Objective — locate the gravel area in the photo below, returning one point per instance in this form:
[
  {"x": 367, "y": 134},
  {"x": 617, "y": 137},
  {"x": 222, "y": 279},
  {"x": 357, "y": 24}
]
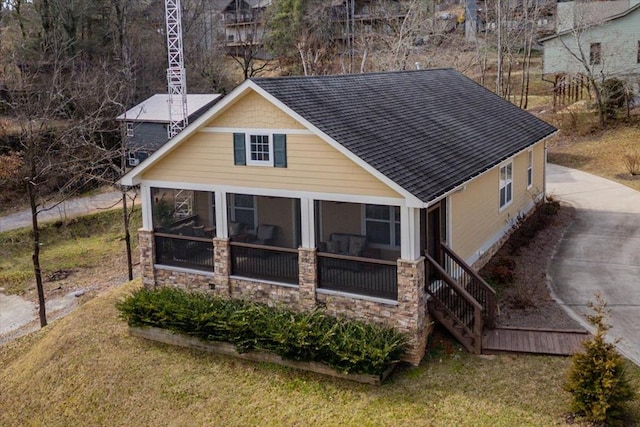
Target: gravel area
[{"x": 527, "y": 301}]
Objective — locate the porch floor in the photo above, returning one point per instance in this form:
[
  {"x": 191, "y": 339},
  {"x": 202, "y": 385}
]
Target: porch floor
[{"x": 536, "y": 341}]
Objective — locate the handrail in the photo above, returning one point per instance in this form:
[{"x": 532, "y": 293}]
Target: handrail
[
  {"x": 265, "y": 247},
  {"x": 182, "y": 237},
  {"x": 490, "y": 294},
  {"x": 357, "y": 258}
]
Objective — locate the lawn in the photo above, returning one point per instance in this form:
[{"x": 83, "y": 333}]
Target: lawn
[
  {"x": 86, "y": 370},
  {"x": 71, "y": 246},
  {"x": 601, "y": 153}
]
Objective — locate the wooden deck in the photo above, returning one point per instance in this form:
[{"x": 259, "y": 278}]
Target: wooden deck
[{"x": 537, "y": 341}]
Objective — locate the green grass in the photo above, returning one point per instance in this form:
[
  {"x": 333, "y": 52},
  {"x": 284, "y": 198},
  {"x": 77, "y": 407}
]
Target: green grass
[
  {"x": 86, "y": 370},
  {"x": 79, "y": 243}
]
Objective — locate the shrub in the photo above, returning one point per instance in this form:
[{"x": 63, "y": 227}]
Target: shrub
[
  {"x": 632, "y": 162},
  {"x": 346, "y": 345},
  {"x": 597, "y": 380}
]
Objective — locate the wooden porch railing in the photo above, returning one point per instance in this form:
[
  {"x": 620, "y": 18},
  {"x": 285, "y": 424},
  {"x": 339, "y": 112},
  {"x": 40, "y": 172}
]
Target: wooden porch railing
[
  {"x": 357, "y": 275},
  {"x": 454, "y": 307},
  {"x": 472, "y": 283},
  {"x": 264, "y": 262},
  {"x": 184, "y": 251}
]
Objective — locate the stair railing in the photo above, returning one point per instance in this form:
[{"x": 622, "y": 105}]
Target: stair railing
[
  {"x": 463, "y": 309},
  {"x": 466, "y": 276}
]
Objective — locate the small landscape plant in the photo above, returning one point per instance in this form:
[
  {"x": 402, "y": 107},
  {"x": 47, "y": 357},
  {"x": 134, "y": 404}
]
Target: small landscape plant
[
  {"x": 632, "y": 162},
  {"x": 597, "y": 380},
  {"x": 346, "y": 345}
]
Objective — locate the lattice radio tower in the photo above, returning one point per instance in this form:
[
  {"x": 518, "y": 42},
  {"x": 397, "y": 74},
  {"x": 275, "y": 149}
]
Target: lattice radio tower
[{"x": 176, "y": 76}]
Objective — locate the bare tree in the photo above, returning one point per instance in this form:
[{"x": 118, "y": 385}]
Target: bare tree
[{"x": 63, "y": 137}]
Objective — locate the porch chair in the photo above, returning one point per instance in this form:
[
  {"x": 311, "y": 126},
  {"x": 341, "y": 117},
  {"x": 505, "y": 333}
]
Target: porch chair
[{"x": 265, "y": 234}]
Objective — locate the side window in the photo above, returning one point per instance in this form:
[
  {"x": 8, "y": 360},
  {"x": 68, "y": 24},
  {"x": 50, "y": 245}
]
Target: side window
[
  {"x": 529, "y": 168},
  {"x": 243, "y": 210},
  {"x": 130, "y": 129},
  {"x": 595, "y": 53},
  {"x": 382, "y": 225},
  {"x": 506, "y": 185}
]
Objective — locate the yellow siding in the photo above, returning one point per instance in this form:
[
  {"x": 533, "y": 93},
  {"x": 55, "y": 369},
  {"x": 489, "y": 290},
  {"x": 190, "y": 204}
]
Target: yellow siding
[
  {"x": 476, "y": 216},
  {"x": 313, "y": 165},
  {"x": 253, "y": 111}
]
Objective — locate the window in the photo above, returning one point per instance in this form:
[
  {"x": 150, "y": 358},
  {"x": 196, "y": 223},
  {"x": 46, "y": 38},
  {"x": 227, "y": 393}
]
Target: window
[
  {"x": 130, "y": 129},
  {"x": 529, "y": 169},
  {"x": 506, "y": 185},
  {"x": 595, "y": 54},
  {"x": 243, "y": 210},
  {"x": 259, "y": 149},
  {"x": 263, "y": 149},
  {"x": 382, "y": 225}
]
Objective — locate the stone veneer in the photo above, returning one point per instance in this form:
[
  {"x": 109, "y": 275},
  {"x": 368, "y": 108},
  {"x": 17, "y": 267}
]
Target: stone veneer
[{"x": 408, "y": 314}]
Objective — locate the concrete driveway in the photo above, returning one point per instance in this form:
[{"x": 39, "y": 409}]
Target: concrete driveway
[{"x": 600, "y": 252}]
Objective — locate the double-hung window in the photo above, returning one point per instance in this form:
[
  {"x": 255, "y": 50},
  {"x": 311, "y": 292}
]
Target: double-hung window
[
  {"x": 260, "y": 148},
  {"x": 529, "y": 168},
  {"x": 382, "y": 225},
  {"x": 130, "y": 131},
  {"x": 243, "y": 210},
  {"x": 595, "y": 53},
  {"x": 506, "y": 185}
]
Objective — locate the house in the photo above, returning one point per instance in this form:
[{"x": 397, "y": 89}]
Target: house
[
  {"x": 369, "y": 195},
  {"x": 146, "y": 123},
  {"x": 605, "y": 36}
]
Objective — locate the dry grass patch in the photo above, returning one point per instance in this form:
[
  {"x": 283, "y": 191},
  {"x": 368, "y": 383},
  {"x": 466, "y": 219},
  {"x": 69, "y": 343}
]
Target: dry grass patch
[
  {"x": 85, "y": 369},
  {"x": 602, "y": 153}
]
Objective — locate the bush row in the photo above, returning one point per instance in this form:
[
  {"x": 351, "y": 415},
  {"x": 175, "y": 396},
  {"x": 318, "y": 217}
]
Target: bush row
[{"x": 346, "y": 345}]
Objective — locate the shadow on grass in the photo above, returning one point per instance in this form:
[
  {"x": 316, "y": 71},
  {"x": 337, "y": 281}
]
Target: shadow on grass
[{"x": 569, "y": 160}]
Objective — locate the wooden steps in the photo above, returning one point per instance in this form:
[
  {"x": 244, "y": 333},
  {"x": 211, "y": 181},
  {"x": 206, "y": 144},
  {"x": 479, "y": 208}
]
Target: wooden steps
[{"x": 534, "y": 341}]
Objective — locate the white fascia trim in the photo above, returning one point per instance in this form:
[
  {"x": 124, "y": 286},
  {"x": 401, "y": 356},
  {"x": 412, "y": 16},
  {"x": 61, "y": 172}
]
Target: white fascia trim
[
  {"x": 292, "y": 194},
  {"x": 133, "y": 177},
  {"x": 256, "y": 130},
  {"x": 411, "y": 200},
  {"x": 473, "y": 178}
]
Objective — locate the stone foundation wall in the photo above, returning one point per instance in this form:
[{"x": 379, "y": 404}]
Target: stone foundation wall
[
  {"x": 267, "y": 293},
  {"x": 146, "y": 247},
  {"x": 409, "y": 315}
]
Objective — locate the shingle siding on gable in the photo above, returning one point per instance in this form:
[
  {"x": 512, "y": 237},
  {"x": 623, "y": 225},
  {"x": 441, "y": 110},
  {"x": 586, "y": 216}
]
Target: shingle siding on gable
[
  {"x": 428, "y": 131},
  {"x": 253, "y": 111}
]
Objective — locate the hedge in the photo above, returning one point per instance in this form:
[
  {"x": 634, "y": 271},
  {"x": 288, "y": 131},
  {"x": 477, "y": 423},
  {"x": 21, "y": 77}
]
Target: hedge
[{"x": 348, "y": 346}]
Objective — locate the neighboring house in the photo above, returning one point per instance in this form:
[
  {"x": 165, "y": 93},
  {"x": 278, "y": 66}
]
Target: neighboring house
[
  {"x": 146, "y": 123},
  {"x": 362, "y": 194},
  {"x": 243, "y": 25},
  {"x": 605, "y": 34}
]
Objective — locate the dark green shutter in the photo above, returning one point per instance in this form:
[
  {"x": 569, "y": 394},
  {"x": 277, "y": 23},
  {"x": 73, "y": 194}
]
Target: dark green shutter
[
  {"x": 239, "y": 149},
  {"x": 280, "y": 150}
]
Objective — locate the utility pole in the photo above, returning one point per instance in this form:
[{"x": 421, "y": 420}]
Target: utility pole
[{"x": 176, "y": 76}]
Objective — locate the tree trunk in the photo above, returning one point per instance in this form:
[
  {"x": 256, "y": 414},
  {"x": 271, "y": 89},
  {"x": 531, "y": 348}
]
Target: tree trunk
[
  {"x": 127, "y": 234},
  {"x": 35, "y": 257}
]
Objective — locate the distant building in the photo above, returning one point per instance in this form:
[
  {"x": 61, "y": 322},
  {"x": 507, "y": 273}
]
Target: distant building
[{"x": 146, "y": 123}]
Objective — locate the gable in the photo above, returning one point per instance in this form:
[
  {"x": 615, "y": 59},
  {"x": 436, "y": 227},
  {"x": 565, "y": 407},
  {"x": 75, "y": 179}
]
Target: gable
[
  {"x": 253, "y": 111},
  {"x": 207, "y": 156}
]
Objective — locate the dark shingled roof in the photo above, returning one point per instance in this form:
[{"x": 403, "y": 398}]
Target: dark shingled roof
[{"x": 427, "y": 130}]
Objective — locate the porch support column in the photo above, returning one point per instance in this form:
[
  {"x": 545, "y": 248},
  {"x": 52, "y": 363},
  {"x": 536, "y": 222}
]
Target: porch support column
[
  {"x": 147, "y": 247},
  {"x": 222, "y": 229},
  {"x": 147, "y": 203},
  {"x": 409, "y": 233},
  {"x": 308, "y": 223},
  {"x": 221, "y": 265},
  {"x": 307, "y": 256},
  {"x": 307, "y": 277},
  {"x": 413, "y": 318}
]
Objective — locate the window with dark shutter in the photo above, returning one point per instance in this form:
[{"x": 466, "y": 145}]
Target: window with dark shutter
[
  {"x": 239, "y": 153},
  {"x": 279, "y": 150}
]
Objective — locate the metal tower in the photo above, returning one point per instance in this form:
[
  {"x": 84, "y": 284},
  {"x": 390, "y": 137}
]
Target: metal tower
[{"x": 176, "y": 76}]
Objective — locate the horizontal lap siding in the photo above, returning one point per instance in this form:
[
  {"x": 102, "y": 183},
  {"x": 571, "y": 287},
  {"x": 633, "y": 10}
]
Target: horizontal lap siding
[
  {"x": 312, "y": 165},
  {"x": 475, "y": 212}
]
